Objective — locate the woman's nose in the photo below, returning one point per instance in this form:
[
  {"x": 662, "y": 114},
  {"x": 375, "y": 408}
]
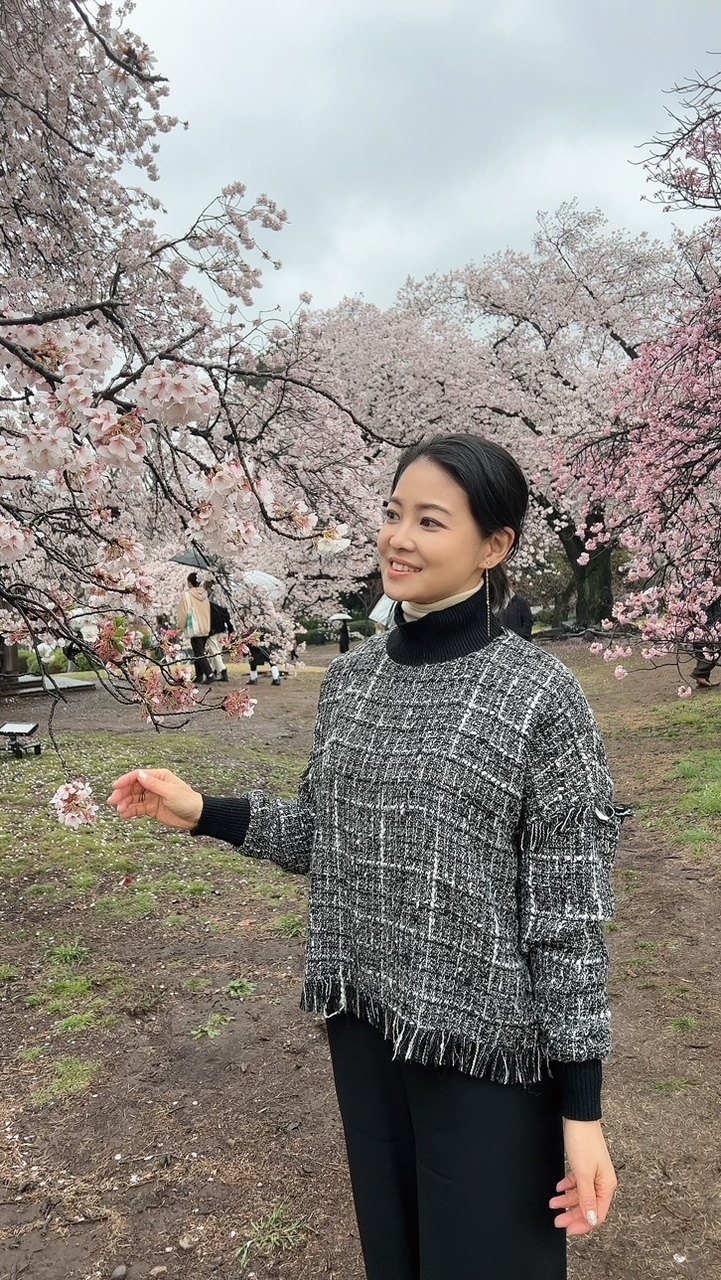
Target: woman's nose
[{"x": 401, "y": 538}]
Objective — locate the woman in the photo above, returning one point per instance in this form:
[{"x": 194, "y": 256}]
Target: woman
[
  {"x": 456, "y": 820},
  {"x": 194, "y": 619}
]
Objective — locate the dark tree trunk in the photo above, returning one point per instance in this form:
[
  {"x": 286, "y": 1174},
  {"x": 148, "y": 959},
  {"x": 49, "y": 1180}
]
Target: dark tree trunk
[
  {"x": 595, "y": 592},
  {"x": 593, "y": 583},
  {"x": 561, "y": 603}
]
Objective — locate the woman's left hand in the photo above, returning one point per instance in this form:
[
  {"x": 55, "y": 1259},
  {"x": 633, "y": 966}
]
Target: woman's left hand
[{"x": 585, "y": 1195}]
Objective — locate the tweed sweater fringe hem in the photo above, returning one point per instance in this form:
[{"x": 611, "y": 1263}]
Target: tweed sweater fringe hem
[{"x": 427, "y": 1045}]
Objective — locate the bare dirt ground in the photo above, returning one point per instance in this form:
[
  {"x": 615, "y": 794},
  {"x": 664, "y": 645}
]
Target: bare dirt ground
[{"x": 129, "y": 1141}]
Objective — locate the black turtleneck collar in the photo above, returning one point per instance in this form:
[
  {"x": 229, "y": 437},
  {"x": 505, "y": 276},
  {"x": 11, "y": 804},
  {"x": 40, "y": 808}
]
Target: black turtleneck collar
[{"x": 442, "y": 635}]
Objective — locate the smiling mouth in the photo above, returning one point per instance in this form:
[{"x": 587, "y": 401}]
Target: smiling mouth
[{"x": 397, "y": 567}]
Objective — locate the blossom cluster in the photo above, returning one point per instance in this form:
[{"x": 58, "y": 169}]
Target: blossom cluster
[{"x": 74, "y": 804}]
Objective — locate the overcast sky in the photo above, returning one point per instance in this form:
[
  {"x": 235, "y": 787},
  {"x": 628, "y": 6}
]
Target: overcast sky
[{"x": 410, "y": 136}]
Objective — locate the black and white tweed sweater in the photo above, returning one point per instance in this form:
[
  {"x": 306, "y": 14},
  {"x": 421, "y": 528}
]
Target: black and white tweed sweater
[{"x": 456, "y": 819}]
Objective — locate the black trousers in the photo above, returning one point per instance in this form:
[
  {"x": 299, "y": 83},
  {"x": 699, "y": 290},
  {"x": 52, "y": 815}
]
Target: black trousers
[
  {"x": 704, "y": 666},
  {"x": 451, "y": 1175},
  {"x": 202, "y": 665}
]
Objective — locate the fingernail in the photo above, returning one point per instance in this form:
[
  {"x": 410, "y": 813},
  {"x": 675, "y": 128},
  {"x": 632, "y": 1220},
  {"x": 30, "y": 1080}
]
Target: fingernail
[
  {"x": 142, "y": 775},
  {"x": 592, "y": 1218}
]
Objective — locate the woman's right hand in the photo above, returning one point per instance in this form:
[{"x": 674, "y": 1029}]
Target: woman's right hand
[{"x": 159, "y": 794}]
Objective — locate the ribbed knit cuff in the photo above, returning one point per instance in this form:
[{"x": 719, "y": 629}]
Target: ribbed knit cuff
[
  {"x": 580, "y": 1084},
  {"x": 224, "y": 818}
]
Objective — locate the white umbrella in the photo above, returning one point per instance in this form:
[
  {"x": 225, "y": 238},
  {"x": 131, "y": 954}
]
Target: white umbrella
[
  {"x": 340, "y": 617},
  {"x": 273, "y": 586}
]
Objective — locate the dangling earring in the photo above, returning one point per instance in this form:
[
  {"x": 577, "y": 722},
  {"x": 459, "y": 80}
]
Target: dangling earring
[{"x": 488, "y": 600}]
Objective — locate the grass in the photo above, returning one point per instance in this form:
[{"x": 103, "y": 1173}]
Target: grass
[
  {"x": 669, "y": 1088},
  {"x": 60, "y": 994},
  {"x": 696, "y": 720},
  {"x": 273, "y": 1235},
  {"x": 8, "y": 973},
  {"x": 70, "y": 1075},
  {"x": 83, "y": 881},
  {"x": 290, "y": 925},
  {"x": 213, "y": 1027},
  {"x": 702, "y": 771},
  {"x": 79, "y": 1021},
  {"x": 239, "y": 988},
  {"x": 277, "y": 891},
  {"x": 128, "y": 905},
  {"x": 196, "y": 984},
  {"x": 74, "y": 862},
  {"x": 683, "y": 1024},
  {"x": 28, "y": 1056},
  {"x": 680, "y": 990},
  {"x": 70, "y": 954}
]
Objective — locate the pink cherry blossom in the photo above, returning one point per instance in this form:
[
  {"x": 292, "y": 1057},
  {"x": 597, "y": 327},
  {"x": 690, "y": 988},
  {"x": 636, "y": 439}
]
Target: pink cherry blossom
[
  {"x": 74, "y": 804},
  {"x": 239, "y": 704}
]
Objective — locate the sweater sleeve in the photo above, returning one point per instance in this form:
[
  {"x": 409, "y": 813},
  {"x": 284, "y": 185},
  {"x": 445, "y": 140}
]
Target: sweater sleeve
[
  {"x": 568, "y": 841},
  {"x": 580, "y": 1087},
  {"x": 224, "y": 818},
  {"x": 280, "y": 830}
]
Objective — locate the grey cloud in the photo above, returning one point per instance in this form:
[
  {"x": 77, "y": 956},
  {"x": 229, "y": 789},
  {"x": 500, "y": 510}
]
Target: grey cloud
[{"x": 406, "y": 137}]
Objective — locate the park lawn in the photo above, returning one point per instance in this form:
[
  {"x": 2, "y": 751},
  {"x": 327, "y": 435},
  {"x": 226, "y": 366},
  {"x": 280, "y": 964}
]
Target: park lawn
[{"x": 166, "y": 1104}]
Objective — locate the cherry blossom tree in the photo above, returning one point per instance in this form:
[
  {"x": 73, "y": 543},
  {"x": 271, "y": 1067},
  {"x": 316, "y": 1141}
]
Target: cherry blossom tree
[
  {"x": 132, "y": 408},
  {"x": 658, "y": 465},
  {"x": 554, "y": 330},
  {"x": 138, "y": 403}
]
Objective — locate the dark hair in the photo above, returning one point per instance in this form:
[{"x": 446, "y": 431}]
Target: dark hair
[
  {"x": 492, "y": 481},
  {"x": 193, "y": 580}
]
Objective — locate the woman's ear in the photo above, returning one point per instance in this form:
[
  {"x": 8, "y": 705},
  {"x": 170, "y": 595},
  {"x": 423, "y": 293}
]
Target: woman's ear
[{"x": 499, "y": 547}]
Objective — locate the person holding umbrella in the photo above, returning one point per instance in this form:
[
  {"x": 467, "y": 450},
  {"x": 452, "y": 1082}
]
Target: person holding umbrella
[
  {"x": 343, "y": 635},
  {"x": 220, "y": 625},
  {"x": 194, "y": 620}
]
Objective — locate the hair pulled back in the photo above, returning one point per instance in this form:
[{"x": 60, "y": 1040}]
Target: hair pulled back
[
  {"x": 193, "y": 580},
  {"x": 492, "y": 481}
]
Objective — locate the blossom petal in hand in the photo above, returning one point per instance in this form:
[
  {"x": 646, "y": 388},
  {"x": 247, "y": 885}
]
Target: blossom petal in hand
[{"x": 74, "y": 804}]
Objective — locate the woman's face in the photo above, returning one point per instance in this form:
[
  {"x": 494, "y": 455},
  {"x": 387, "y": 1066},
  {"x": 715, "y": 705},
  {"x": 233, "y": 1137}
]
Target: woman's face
[{"x": 429, "y": 544}]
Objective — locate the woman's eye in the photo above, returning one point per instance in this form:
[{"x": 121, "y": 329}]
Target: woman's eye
[
  {"x": 389, "y": 515},
  {"x": 429, "y": 522}
]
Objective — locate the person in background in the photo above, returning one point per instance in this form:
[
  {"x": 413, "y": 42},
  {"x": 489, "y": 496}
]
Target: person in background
[
  {"x": 705, "y": 665},
  {"x": 344, "y": 638},
  {"x": 83, "y": 623},
  {"x": 194, "y": 620},
  {"x": 257, "y": 655},
  {"x": 457, "y": 820},
  {"x": 220, "y": 625},
  {"x": 517, "y": 616}
]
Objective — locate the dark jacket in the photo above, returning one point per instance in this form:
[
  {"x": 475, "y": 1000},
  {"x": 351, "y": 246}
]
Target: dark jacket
[
  {"x": 219, "y": 619},
  {"x": 517, "y": 616}
]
